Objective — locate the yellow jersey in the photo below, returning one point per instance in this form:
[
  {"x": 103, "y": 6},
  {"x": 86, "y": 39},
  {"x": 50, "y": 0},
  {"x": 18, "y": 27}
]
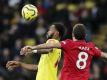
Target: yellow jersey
[{"x": 48, "y": 64}]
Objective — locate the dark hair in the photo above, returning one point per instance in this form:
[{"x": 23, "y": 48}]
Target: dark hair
[
  {"x": 79, "y": 31},
  {"x": 61, "y": 29}
]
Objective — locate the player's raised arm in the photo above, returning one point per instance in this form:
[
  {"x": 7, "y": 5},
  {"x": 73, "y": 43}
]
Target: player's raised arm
[
  {"x": 42, "y": 48},
  {"x": 28, "y": 49},
  {"x": 51, "y": 43},
  {"x": 47, "y": 46}
]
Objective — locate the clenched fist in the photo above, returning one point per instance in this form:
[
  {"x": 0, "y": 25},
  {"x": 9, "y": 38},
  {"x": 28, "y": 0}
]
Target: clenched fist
[{"x": 26, "y": 50}]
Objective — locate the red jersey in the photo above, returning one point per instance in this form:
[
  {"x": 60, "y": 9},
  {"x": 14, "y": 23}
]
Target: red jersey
[{"x": 77, "y": 59}]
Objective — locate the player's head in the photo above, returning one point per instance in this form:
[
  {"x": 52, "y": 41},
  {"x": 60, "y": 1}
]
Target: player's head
[
  {"x": 56, "y": 30},
  {"x": 79, "y": 32}
]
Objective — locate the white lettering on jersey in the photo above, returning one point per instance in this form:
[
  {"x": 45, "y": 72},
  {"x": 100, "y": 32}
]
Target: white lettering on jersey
[{"x": 84, "y": 48}]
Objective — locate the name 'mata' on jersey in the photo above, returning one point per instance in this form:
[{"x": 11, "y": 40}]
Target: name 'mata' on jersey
[
  {"x": 77, "y": 59},
  {"x": 48, "y": 64}
]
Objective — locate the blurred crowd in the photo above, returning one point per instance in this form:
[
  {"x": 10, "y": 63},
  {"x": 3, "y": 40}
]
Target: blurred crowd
[{"x": 15, "y": 32}]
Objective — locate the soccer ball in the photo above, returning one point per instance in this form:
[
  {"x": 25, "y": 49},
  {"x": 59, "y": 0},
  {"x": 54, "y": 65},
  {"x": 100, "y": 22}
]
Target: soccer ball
[{"x": 29, "y": 12}]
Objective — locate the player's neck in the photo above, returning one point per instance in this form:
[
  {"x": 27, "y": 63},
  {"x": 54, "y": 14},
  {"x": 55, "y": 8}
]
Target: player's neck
[{"x": 74, "y": 39}]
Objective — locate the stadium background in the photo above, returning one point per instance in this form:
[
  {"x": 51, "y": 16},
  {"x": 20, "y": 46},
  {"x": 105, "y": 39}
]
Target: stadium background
[{"x": 15, "y": 32}]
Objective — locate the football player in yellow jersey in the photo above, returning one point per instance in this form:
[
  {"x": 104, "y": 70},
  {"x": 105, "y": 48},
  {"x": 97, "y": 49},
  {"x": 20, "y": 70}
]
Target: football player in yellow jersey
[{"x": 47, "y": 68}]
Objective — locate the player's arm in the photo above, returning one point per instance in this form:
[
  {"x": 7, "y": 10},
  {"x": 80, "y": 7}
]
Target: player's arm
[
  {"x": 14, "y": 64},
  {"x": 99, "y": 53},
  {"x": 29, "y": 66},
  {"x": 42, "y": 51},
  {"x": 103, "y": 55},
  {"x": 47, "y": 46},
  {"x": 50, "y": 45},
  {"x": 41, "y": 48}
]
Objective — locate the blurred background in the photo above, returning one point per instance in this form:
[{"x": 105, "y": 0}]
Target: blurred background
[{"x": 15, "y": 32}]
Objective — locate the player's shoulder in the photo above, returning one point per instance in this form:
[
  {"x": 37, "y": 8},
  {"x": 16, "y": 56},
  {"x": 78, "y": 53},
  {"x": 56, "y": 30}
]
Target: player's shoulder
[
  {"x": 91, "y": 44},
  {"x": 68, "y": 42},
  {"x": 52, "y": 41}
]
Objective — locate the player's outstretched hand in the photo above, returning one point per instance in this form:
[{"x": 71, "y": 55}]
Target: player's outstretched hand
[
  {"x": 26, "y": 50},
  {"x": 11, "y": 65}
]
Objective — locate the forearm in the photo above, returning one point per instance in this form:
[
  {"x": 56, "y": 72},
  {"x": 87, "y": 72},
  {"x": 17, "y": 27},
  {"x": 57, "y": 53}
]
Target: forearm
[
  {"x": 47, "y": 46},
  {"x": 42, "y": 51},
  {"x": 28, "y": 66},
  {"x": 104, "y": 55}
]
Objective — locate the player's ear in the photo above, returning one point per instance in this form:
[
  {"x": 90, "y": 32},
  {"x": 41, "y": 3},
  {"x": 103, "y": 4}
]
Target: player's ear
[{"x": 56, "y": 33}]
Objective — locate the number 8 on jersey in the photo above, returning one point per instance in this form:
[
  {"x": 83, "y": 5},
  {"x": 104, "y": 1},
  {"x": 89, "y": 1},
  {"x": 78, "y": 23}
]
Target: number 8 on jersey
[{"x": 82, "y": 60}]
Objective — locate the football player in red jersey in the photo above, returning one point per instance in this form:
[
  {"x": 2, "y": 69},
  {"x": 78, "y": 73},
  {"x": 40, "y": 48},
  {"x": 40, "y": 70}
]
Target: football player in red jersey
[{"x": 77, "y": 54}]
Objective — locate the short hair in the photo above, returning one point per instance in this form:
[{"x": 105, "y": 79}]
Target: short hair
[
  {"x": 79, "y": 31},
  {"x": 61, "y": 29}
]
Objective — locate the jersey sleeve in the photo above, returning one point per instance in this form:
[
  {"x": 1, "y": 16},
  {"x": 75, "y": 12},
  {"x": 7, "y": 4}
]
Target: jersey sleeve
[{"x": 97, "y": 52}]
